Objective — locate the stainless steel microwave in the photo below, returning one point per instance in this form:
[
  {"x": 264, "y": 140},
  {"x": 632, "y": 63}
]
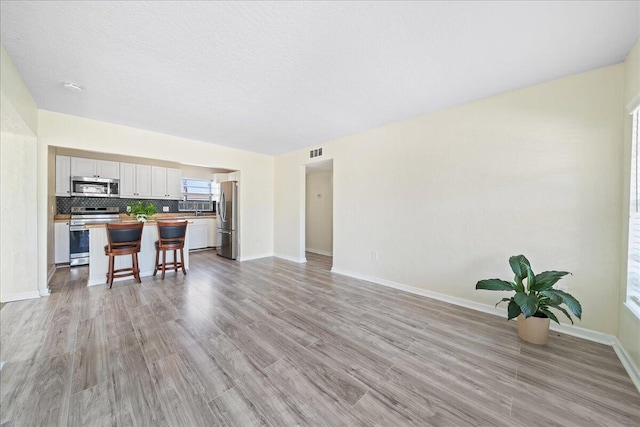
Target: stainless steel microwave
[{"x": 95, "y": 187}]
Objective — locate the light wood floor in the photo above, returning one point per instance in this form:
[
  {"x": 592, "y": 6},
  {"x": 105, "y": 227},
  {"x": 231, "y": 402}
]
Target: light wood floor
[{"x": 270, "y": 342}]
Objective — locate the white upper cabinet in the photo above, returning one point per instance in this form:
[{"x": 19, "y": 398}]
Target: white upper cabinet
[
  {"x": 135, "y": 180},
  {"x": 224, "y": 177},
  {"x": 143, "y": 180},
  {"x": 166, "y": 183},
  {"x": 127, "y": 180},
  {"x": 174, "y": 183},
  {"x": 220, "y": 177},
  {"x": 83, "y": 167},
  {"x": 107, "y": 169},
  {"x": 94, "y": 168},
  {"x": 63, "y": 176},
  {"x": 158, "y": 181}
]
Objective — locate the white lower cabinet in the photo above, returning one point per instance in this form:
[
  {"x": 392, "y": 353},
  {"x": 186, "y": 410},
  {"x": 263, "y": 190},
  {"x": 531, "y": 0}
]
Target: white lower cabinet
[
  {"x": 211, "y": 237},
  {"x": 202, "y": 233},
  {"x": 197, "y": 235},
  {"x": 61, "y": 242}
]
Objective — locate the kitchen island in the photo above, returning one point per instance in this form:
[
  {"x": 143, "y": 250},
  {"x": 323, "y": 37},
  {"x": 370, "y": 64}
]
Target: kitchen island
[{"x": 99, "y": 262}]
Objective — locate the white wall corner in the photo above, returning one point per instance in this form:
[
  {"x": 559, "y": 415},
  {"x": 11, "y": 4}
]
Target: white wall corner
[
  {"x": 19, "y": 296},
  {"x": 252, "y": 257},
  {"x": 290, "y": 258},
  {"x": 50, "y": 273},
  {"x": 319, "y": 252},
  {"x": 628, "y": 363}
]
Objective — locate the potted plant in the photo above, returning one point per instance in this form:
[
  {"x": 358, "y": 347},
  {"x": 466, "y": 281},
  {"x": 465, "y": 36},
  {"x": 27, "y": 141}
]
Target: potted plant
[
  {"x": 142, "y": 211},
  {"x": 533, "y": 299}
]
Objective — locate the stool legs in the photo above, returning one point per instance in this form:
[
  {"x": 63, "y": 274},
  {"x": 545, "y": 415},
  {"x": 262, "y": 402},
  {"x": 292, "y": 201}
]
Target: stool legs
[
  {"x": 164, "y": 263},
  {"x": 155, "y": 266},
  {"x": 123, "y": 272},
  {"x": 175, "y": 261},
  {"x": 110, "y": 272},
  {"x": 136, "y": 267},
  {"x": 184, "y": 270},
  {"x": 162, "y": 266}
]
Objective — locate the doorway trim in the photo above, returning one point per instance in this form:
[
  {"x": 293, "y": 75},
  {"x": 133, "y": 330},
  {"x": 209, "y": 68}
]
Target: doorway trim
[{"x": 303, "y": 204}]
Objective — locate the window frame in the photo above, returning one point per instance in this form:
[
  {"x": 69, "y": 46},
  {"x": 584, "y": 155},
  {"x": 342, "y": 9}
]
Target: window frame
[{"x": 632, "y": 294}]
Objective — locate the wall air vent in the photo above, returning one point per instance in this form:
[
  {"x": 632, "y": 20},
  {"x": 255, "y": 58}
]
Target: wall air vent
[{"x": 315, "y": 153}]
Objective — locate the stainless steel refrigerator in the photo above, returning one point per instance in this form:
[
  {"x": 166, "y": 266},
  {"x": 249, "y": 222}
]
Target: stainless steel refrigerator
[{"x": 227, "y": 220}]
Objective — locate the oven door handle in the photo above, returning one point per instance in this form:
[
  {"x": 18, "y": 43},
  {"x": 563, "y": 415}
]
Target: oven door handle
[{"x": 78, "y": 228}]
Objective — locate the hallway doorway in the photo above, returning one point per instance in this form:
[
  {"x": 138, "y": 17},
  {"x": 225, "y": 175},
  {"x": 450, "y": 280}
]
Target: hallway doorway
[{"x": 318, "y": 233}]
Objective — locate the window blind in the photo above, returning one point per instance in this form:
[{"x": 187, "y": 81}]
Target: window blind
[
  {"x": 196, "y": 190},
  {"x": 633, "y": 272}
]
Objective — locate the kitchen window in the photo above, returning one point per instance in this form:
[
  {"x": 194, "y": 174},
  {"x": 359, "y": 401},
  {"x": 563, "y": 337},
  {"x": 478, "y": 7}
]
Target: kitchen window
[
  {"x": 198, "y": 195},
  {"x": 633, "y": 263}
]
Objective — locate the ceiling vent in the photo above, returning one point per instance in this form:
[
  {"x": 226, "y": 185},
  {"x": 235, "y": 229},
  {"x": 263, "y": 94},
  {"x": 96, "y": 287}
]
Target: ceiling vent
[{"x": 317, "y": 152}]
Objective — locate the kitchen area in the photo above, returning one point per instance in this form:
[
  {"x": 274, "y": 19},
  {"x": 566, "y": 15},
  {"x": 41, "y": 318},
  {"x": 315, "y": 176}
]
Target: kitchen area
[{"x": 93, "y": 189}]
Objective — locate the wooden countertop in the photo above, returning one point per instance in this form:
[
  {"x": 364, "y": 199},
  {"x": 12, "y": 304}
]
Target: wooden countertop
[
  {"x": 152, "y": 222},
  {"x": 124, "y": 217}
]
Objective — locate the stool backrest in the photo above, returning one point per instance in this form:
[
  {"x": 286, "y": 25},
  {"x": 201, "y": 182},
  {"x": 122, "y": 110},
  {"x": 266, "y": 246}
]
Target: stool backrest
[
  {"x": 172, "y": 232},
  {"x": 124, "y": 235}
]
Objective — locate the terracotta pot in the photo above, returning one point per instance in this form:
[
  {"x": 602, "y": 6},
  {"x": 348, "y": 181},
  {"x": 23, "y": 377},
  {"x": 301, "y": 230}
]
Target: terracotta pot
[{"x": 534, "y": 330}]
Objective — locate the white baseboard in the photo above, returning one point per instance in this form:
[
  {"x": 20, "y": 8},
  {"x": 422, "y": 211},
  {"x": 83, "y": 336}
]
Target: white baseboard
[
  {"x": 576, "y": 331},
  {"x": 252, "y": 257},
  {"x": 50, "y": 273},
  {"x": 430, "y": 294},
  {"x": 628, "y": 363},
  {"x": 319, "y": 252},
  {"x": 19, "y": 296},
  {"x": 44, "y": 292},
  {"x": 290, "y": 258}
]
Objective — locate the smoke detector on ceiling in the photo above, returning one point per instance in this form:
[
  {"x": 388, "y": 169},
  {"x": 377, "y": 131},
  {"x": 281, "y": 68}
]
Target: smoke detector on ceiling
[{"x": 72, "y": 87}]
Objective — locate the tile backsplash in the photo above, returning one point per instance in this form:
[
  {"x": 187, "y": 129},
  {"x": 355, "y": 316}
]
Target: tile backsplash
[{"x": 64, "y": 204}]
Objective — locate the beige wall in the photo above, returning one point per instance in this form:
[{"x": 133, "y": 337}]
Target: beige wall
[
  {"x": 18, "y": 214},
  {"x": 51, "y": 208},
  {"x": 14, "y": 89},
  {"x": 535, "y": 171},
  {"x": 22, "y": 228},
  {"x": 319, "y": 213},
  {"x": 256, "y": 188},
  {"x": 628, "y": 324},
  {"x": 289, "y": 202}
]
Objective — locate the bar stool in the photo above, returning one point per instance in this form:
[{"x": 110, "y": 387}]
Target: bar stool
[
  {"x": 171, "y": 236},
  {"x": 123, "y": 239}
]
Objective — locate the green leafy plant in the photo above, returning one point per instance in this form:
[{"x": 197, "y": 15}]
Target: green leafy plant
[
  {"x": 534, "y": 293},
  {"x": 140, "y": 208}
]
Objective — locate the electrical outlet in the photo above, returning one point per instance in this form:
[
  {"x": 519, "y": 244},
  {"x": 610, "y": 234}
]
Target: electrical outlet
[
  {"x": 374, "y": 255},
  {"x": 165, "y": 209}
]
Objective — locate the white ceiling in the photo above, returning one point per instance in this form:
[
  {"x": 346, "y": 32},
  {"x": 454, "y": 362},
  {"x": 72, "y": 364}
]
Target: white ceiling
[{"x": 276, "y": 76}]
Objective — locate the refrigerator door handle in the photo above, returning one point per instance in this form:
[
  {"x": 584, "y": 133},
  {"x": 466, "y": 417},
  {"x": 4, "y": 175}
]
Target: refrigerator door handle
[{"x": 223, "y": 208}]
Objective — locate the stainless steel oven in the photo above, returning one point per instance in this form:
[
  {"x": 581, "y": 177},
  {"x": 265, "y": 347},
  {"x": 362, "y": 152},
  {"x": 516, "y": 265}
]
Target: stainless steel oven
[
  {"x": 78, "y": 245},
  {"x": 79, "y": 233}
]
